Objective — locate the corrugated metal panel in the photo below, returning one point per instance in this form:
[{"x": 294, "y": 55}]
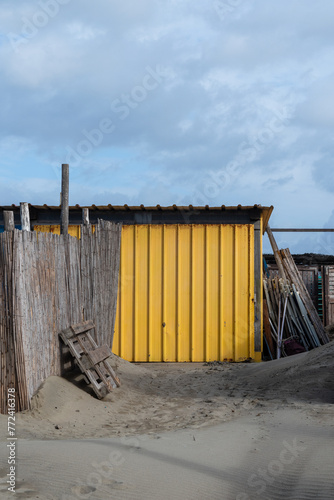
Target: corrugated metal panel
[
  {"x": 73, "y": 230},
  {"x": 186, "y": 293}
]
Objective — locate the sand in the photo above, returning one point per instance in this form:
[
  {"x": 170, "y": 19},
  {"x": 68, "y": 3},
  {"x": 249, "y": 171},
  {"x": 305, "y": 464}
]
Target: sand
[{"x": 183, "y": 430}]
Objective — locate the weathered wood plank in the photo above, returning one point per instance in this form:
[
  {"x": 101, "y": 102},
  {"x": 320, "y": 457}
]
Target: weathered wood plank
[
  {"x": 64, "y": 198},
  {"x": 8, "y": 218},
  {"x": 277, "y": 254},
  {"x": 85, "y": 326},
  {"x": 296, "y": 278},
  {"x": 85, "y": 216},
  {"x": 99, "y": 354},
  {"x": 25, "y": 216}
]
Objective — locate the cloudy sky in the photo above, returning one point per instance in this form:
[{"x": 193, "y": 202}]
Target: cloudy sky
[{"x": 172, "y": 101}]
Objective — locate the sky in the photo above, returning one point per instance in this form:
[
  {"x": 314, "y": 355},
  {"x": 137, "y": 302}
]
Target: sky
[{"x": 205, "y": 102}]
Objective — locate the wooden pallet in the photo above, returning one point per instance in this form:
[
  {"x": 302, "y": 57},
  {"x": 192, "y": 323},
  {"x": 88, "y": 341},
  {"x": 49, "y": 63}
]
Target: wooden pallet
[{"x": 91, "y": 359}]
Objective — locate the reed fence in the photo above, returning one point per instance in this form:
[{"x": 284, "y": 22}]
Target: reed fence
[{"x": 48, "y": 282}]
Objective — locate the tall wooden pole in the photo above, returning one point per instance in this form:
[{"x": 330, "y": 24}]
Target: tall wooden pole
[
  {"x": 25, "y": 217},
  {"x": 85, "y": 216},
  {"x": 64, "y": 198},
  {"x": 8, "y": 217}
]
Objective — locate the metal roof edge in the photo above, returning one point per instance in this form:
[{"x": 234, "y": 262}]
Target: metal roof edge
[
  {"x": 266, "y": 216},
  {"x": 143, "y": 207}
]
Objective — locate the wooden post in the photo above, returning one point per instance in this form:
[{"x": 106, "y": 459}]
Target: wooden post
[
  {"x": 85, "y": 216},
  {"x": 8, "y": 217},
  {"x": 276, "y": 253},
  {"x": 257, "y": 287},
  {"x": 64, "y": 198},
  {"x": 266, "y": 329},
  {"x": 25, "y": 217}
]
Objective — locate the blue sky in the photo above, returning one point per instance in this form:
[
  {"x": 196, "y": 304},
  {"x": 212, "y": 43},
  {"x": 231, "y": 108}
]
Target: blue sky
[{"x": 172, "y": 101}]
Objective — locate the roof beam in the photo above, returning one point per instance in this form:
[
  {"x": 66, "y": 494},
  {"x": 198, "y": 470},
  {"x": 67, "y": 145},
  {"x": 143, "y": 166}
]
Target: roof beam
[{"x": 304, "y": 230}]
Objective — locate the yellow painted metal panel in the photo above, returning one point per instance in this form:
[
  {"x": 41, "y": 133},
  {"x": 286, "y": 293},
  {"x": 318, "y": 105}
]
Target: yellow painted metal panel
[
  {"x": 241, "y": 297},
  {"x": 169, "y": 293},
  {"x": 186, "y": 293},
  {"x": 227, "y": 256},
  {"x": 198, "y": 293},
  {"x": 212, "y": 277},
  {"x": 141, "y": 310},
  {"x": 155, "y": 320},
  {"x": 123, "y": 343},
  {"x": 73, "y": 229},
  {"x": 251, "y": 302}
]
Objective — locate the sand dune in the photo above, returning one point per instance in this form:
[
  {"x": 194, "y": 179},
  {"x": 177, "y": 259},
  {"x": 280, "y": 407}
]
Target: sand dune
[
  {"x": 228, "y": 420},
  {"x": 163, "y": 396}
]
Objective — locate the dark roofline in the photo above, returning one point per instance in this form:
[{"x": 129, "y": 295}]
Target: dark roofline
[
  {"x": 140, "y": 207},
  {"x": 173, "y": 214}
]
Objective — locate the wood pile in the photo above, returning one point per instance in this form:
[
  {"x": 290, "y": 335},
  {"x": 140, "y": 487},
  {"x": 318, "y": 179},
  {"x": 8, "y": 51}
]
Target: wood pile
[{"x": 289, "y": 312}]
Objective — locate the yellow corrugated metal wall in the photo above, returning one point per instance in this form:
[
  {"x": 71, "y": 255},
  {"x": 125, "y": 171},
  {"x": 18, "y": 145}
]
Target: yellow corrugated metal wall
[
  {"x": 73, "y": 230},
  {"x": 186, "y": 293}
]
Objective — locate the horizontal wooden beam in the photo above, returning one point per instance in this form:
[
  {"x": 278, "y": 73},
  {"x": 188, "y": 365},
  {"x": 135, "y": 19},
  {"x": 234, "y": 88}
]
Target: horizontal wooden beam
[{"x": 308, "y": 230}]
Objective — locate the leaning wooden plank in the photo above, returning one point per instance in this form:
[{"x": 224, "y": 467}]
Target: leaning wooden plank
[
  {"x": 105, "y": 377},
  {"x": 291, "y": 268},
  {"x": 277, "y": 255},
  {"x": 267, "y": 329},
  {"x": 84, "y": 363},
  {"x": 82, "y": 327},
  {"x": 99, "y": 354},
  {"x": 98, "y": 381},
  {"x": 100, "y": 390},
  {"x": 85, "y": 340},
  {"x": 112, "y": 373}
]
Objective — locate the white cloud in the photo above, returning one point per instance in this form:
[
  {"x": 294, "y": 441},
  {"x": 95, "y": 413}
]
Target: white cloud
[
  {"x": 79, "y": 31},
  {"x": 226, "y": 81}
]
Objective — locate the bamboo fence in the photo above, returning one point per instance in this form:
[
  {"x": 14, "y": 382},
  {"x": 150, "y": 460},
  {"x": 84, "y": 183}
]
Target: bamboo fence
[{"x": 48, "y": 282}]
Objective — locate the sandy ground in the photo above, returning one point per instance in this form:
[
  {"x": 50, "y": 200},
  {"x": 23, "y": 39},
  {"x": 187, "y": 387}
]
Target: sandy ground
[{"x": 182, "y": 431}]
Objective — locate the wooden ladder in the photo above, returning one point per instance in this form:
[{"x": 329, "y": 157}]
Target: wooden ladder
[{"x": 91, "y": 359}]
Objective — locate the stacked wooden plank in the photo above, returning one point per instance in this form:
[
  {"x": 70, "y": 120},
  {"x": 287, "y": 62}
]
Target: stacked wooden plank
[
  {"x": 91, "y": 359},
  {"x": 291, "y": 312},
  {"x": 288, "y": 317},
  {"x": 294, "y": 276}
]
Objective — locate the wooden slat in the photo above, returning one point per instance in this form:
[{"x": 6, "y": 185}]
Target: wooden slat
[
  {"x": 266, "y": 329},
  {"x": 91, "y": 360},
  {"x": 82, "y": 327},
  {"x": 295, "y": 277},
  {"x": 277, "y": 255},
  {"x": 99, "y": 354}
]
